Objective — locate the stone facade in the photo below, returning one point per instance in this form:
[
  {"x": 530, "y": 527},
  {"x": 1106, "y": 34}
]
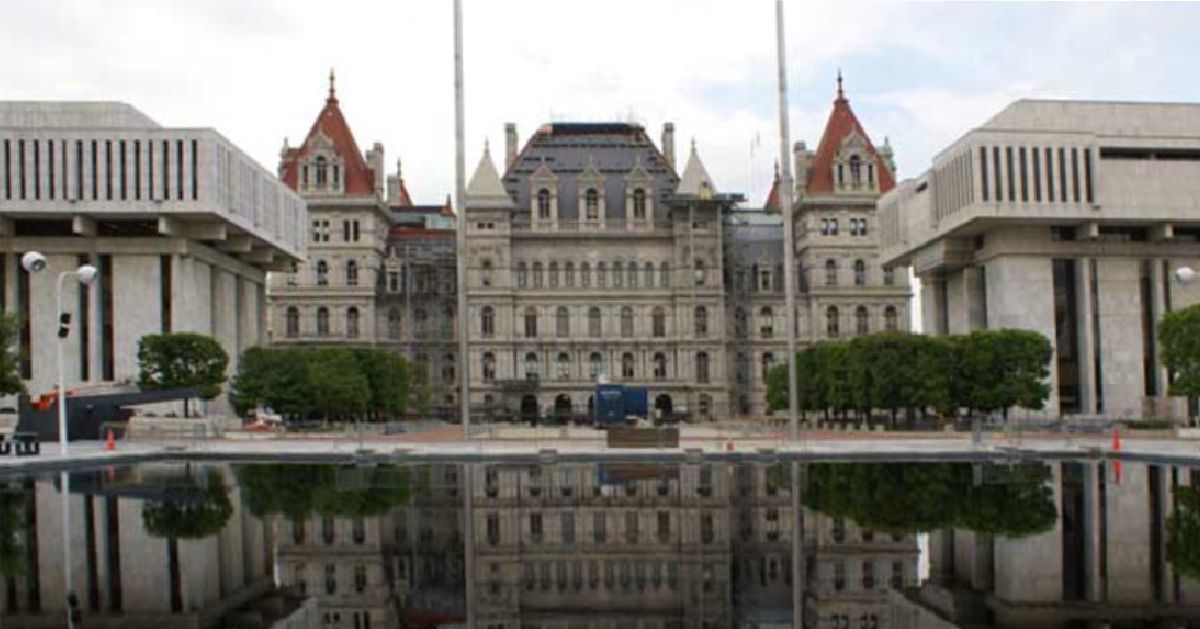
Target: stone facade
[
  {"x": 1068, "y": 218},
  {"x": 182, "y": 226}
]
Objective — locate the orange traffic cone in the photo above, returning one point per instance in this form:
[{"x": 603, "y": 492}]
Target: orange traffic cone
[{"x": 109, "y": 443}]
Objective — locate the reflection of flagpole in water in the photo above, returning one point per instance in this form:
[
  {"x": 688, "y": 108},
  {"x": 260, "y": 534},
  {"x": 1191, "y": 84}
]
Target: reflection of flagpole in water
[
  {"x": 798, "y": 576},
  {"x": 467, "y": 473}
]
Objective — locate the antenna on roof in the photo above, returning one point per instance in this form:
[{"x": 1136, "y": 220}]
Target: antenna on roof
[
  {"x": 841, "y": 95},
  {"x": 331, "y": 87}
]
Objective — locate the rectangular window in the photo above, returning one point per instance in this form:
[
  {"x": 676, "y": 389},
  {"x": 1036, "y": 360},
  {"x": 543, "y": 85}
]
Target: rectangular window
[
  {"x": 37, "y": 170},
  {"x": 1037, "y": 174},
  {"x": 1075, "y": 175},
  {"x": 26, "y": 333},
  {"x": 106, "y": 318},
  {"x": 1149, "y": 360},
  {"x": 1066, "y": 336},
  {"x": 983, "y": 172},
  {"x": 150, "y": 169},
  {"x": 1008, "y": 173},
  {"x": 95, "y": 171},
  {"x": 1062, "y": 175},
  {"x": 355, "y": 230},
  {"x": 84, "y": 324},
  {"x": 166, "y": 170},
  {"x": 1094, "y": 296},
  {"x": 1024, "y": 174},
  {"x": 50, "y": 169},
  {"x": 346, "y": 231},
  {"x": 1087, "y": 173},
  {"x": 7, "y": 169},
  {"x": 137, "y": 170},
  {"x": 996, "y": 168},
  {"x": 179, "y": 170},
  {"x": 165, "y": 291},
  {"x": 108, "y": 170},
  {"x": 1049, "y": 174},
  {"x": 123, "y": 172},
  {"x": 79, "y": 169},
  {"x": 21, "y": 169},
  {"x": 63, "y": 177}
]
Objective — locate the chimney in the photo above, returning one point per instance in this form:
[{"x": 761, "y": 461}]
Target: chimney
[
  {"x": 887, "y": 155},
  {"x": 668, "y": 142},
  {"x": 374, "y": 159},
  {"x": 800, "y": 164},
  {"x": 283, "y": 154},
  {"x": 510, "y": 145}
]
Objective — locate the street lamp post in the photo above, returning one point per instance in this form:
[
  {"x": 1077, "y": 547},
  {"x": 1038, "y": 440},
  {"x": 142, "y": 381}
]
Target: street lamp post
[{"x": 35, "y": 262}]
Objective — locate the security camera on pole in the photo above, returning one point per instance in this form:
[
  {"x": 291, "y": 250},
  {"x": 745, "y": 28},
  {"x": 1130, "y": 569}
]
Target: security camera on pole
[{"x": 35, "y": 262}]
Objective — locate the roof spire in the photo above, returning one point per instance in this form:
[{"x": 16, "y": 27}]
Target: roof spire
[
  {"x": 331, "y": 87},
  {"x": 841, "y": 95}
]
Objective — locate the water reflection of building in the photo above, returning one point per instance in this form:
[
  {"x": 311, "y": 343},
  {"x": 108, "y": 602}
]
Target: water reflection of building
[
  {"x": 693, "y": 545},
  {"x": 1104, "y": 562},
  {"x": 124, "y": 574},
  {"x": 402, "y": 568}
]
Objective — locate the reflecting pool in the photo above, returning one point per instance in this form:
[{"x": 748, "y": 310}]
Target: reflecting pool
[{"x": 616, "y": 545}]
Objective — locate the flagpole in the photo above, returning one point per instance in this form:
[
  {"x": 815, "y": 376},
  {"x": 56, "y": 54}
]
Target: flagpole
[
  {"x": 460, "y": 191},
  {"x": 789, "y": 246}
]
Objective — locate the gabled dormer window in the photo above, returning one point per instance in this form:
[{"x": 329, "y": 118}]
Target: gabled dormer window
[
  {"x": 855, "y": 171},
  {"x": 543, "y": 203},
  {"x": 592, "y": 203},
  {"x": 639, "y": 204},
  {"x": 321, "y": 166}
]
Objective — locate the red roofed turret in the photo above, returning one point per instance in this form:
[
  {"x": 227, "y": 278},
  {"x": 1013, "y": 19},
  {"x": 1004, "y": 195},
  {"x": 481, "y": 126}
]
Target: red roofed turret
[
  {"x": 843, "y": 131},
  {"x": 330, "y": 132}
]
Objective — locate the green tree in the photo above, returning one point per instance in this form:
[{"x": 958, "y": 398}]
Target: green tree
[
  {"x": 338, "y": 385},
  {"x": 14, "y": 504},
  {"x": 998, "y": 369},
  {"x": 1183, "y": 532},
  {"x": 1179, "y": 337},
  {"x": 182, "y": 360},
  {"x": 300, "y": 491},
  {"x": 193, "y": 512},
  {"x": 387, "y": 377},
  {"x": 10, "y": 358},
  {"x": 278, "y": 378}
]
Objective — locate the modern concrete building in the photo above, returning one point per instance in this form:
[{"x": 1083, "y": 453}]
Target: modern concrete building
[
  {"x": 1068, "y": 218},
  {"x": 182, "y": 225}
]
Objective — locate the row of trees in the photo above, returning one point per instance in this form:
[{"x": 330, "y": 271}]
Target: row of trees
[
  {"x": 334, "y": 383},
  {"x": 984, "y": 371}
]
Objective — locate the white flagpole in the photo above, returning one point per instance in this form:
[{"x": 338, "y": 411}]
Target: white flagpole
[
  {"x": 460, "y": 191},
  {"x": 789, "y": 243}
]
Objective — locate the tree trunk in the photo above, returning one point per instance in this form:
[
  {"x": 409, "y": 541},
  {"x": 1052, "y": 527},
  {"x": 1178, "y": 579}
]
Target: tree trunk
[{"x": 185, "y": 408}]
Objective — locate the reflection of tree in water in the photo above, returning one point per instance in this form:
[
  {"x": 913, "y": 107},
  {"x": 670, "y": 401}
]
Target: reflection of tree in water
[
  {"x": 1183, "y": 532},
  {"x": 1011, "y": 501},
  {"x": 194, "y": 510},
  {"x": 299, "y": 491},
  {"x": 14, "y": 502}
]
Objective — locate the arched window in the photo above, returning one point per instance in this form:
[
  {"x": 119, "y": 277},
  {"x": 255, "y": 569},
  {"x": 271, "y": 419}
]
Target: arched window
[
  {"x": 569, "y": 275},
  {"x": 592, "y": 203},
  {"x": 702, "y": 367},
  {"x": 595, "y": 366},
  {"x": 632, "y": 275},
  {"x": 486, "y": 274},
  {"x": 830, "y": 273},
  {"x": 531, "y": 366},
  {"x": 530, "y": 322},
  {"x": 538, "y": 278},
  {"x": 585, "y": 274},
  {"x": 489, "y": 367},
  {"x": 660, "y": 366},
  {"x": 618, "y": 274},
  {"x": 594, "y": 323},
  {"x": 889, "y": 319},
  {"x": 522, "y": 278},
  {"x": 322, "y": 273},
  {"x": 543, "y": 203},
  {"x": 352, "y": 273},
  {"x": 862, "y": 324},
  {"x": 664, "y": 275},
  {"x": 700, "y": 321},
  {"x": 322, "y": 321},
  {"x": 639, "y": 204},
  {"x": 705, "y": 405},
  {"x": 855, "y": 171},
  {"x": 553, "y": 273},
  {"x": 487, "y": 322},
  {"x": 768, "y": 361},
  {"x": 292, "y": 322},
  {"x": 352, "y": 322},
  {"x": 627, "y": 365},
  {"x": 626, "y": 321},
  {"x": 648, "y": 275},
  {"x": 658, "y": 322},
  {"x": 321, "y": 166},
  {"x": 562, "y": 322},
  {"x": 766, "y": 322},
  {"x": 564, "y": 366},
  {"x": 831, "y": 322},
  {"x": 741, "y": 325},
  {"x": 698, "y": 272},
  {"x": 393, "y": 323},
  {"x": 889, "y": 276},
  {"x": 601, "y": 274},
  {"x": 860, "y": 273}
]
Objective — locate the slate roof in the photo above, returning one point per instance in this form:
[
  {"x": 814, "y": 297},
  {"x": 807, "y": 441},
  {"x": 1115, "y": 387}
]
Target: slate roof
[
  {"x": 842, "y": 122},
  {"x": 359, "y": 179},
  {"x": 566, "y": 149}
]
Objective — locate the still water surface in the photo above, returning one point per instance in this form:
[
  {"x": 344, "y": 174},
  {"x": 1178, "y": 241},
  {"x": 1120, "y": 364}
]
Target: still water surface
[{"x": 510, "y": 546}]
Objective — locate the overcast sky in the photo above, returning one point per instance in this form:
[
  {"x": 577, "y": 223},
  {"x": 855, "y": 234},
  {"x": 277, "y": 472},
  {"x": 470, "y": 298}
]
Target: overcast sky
[{"x": 919, "y": 73}]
